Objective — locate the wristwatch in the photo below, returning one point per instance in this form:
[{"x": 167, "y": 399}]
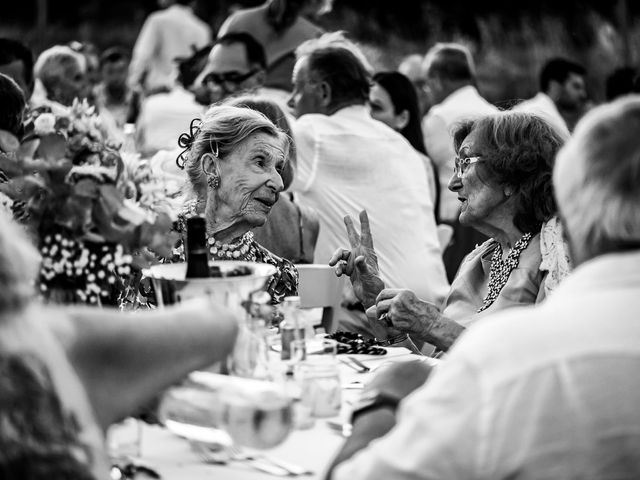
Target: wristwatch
[{"x": 372, "y": 399}]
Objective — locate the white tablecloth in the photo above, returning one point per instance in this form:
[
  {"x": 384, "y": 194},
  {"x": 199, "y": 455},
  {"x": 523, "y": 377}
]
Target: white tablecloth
[{"x": 312, "y": 448}]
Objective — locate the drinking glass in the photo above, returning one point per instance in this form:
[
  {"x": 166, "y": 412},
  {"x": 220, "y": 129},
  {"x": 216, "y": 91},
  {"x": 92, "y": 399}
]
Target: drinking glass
[
  {"x": 220, "y": 410},
  {"x": 319, "y": 379}
]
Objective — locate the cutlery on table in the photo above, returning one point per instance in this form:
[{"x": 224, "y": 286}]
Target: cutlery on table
[
  {"x": 293, "y": 469},
  {"x": 352, "y": 365},
  {"x": 359, "y": 363},
  {"x": 264, "y": 463}
]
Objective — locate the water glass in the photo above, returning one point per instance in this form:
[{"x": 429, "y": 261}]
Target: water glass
[{"x": 319, "y": 379}]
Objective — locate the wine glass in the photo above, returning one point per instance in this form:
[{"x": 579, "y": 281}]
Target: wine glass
[{"x": 219, "y": 410}]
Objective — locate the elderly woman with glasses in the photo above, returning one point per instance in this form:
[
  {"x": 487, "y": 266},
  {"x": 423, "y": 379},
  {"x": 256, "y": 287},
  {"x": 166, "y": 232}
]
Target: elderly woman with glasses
[
  {"x": 234, "y": 160},
  {"x": 502, "y": 178}
]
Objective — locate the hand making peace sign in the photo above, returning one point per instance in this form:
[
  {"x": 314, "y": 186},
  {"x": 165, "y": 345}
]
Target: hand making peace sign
[{"x": 360, "y": 263}]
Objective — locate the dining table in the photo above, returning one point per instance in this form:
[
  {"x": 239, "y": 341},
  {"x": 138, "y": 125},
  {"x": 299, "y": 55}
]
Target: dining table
[{"x": 309, "y": 449}]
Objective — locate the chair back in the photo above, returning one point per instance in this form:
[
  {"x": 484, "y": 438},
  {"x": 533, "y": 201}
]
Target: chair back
[{"x": 320, "y": 288}]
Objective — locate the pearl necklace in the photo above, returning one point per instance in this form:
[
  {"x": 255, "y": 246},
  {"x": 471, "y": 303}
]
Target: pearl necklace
[
  {"x": 243, "y": 248},
  {"x": 501, "y": 269}
]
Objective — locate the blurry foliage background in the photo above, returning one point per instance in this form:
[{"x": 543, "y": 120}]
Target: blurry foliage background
[{"x": 510, "y": 40}]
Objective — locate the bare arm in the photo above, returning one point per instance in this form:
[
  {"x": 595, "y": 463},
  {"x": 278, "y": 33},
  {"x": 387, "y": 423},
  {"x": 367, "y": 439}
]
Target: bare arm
[{"x": 124, "y": 360}]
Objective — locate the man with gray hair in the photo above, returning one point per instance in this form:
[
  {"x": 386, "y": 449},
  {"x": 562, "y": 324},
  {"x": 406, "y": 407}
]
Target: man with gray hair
[
  {"x": 548, "y": 392},
  {"x": 61, "y": 76},
  {"x": 348, "y": 162},
  {"x": 450, "y": 76}
]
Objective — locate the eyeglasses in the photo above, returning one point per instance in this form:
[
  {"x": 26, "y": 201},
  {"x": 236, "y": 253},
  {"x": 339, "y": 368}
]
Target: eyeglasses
[
  {"x": 229, "y": 81},
  {"x": 461, "y": 164}
]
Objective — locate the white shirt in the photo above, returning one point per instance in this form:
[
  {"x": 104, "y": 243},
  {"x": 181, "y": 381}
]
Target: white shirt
[
  {"x": 165, "y": 36},
  {"x": 543, "y": 106},
  {"x": 348, "y": 162},
  {"x": 548, "y": 392},
  {"x": 464, "y": 103},
  {"x": 163, "y": 117}
]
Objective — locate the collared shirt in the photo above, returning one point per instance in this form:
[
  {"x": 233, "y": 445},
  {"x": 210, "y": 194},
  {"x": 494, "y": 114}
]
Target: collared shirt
[
  {"x": 550, "y": 392},
  {"x": 166, "y": 35},
  {"x": 348, "y": 162},
  {"x": 464, "y": 103},
  {"x": 543, "y": 106}
]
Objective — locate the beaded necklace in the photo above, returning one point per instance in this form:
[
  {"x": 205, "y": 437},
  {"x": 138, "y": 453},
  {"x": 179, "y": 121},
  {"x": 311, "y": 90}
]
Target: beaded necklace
[
  {"x": 501, "y": 269},
  {"x": 243, "y": 248}
]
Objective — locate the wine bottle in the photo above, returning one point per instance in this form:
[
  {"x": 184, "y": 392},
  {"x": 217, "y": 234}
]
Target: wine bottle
[{"x": 196, "y": 252}]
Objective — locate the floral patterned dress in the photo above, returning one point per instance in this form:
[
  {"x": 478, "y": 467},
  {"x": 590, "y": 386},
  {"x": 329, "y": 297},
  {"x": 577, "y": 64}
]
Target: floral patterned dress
[{"x": 282, "y": 284}]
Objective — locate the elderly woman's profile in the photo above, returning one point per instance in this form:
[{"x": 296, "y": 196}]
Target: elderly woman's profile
[
  {"x": 502, "y": 177},
  {"x": 234, "y": 159}
]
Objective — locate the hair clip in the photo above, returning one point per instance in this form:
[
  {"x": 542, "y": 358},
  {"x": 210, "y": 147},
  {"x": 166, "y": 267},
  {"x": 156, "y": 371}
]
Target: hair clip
[
  {"x": 213, "y": 150},
  {"x": 185, "y": 141}
]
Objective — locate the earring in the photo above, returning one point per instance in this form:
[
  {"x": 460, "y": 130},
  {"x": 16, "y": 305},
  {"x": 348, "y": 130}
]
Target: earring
[{"x": 213, "y": 181}]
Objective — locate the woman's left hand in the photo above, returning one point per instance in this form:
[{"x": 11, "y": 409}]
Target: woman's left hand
[{"x": 403, "y": 311}]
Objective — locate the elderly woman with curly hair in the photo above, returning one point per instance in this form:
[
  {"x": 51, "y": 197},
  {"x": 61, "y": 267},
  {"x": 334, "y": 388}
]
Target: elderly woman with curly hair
[
  {"x": 234, "y": 161},
  {"x": 502, "y": 177}
]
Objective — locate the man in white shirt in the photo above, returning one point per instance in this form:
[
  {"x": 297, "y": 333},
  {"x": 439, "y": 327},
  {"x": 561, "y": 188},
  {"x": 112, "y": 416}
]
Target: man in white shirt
[
  {"x": 166, "y": 35},
  {"x": 450, "y": 79},
  {"x": 347, "y": 162},
  {"x": 547, "y": 392},
  {"x": 562, "y": 96}
]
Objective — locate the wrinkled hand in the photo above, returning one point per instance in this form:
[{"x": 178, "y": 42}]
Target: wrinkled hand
[
  {"x": 360, "y": 263},
  {"x": 401, "y": 310},
  {"x": 400, "y": 379}
]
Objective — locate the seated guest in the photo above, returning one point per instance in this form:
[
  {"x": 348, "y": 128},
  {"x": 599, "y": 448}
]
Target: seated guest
[
  {"x": 502, "y": 177},
  {"x": 291, "y": 231},
  {"x": 16, "y": 61},
  {"x": 66, "y": 374},
  {"x": 280, "y": 26},
  {"x": 236, "y": 66},
  {"x": 411, "y": 67},
  {"x": 12, "y": 103},
  {"x": 61, "y": 77},
  {"x": 112, "y": 94},
  {"x": 563, "y": 94},
  {"x": 234, "y": 160},
  {"x": 548, "y": 392},
  {"x": 348, "y": 160},
  {"x": 393, "y": 101},
  {"x": 61, "y": 74}
]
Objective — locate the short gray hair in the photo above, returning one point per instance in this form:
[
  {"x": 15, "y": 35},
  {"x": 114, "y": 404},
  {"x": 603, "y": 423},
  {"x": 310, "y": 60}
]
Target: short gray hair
[
  {"x": 450, "y": 61},
  {"x": 53, "y": 62},
  {"x": 223, "y": 128},
  {"x": 596, "y": 180}
]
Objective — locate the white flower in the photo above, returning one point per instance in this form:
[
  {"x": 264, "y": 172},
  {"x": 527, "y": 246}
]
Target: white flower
[{"x": 45, "y": 124}]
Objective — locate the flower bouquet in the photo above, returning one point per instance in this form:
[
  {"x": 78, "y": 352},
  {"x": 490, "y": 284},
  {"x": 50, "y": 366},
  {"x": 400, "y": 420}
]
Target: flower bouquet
[{"x": 92, "y": 210}]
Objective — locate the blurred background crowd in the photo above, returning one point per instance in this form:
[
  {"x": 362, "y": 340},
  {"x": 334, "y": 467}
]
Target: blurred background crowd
[{"x": 509, "y": 41}]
